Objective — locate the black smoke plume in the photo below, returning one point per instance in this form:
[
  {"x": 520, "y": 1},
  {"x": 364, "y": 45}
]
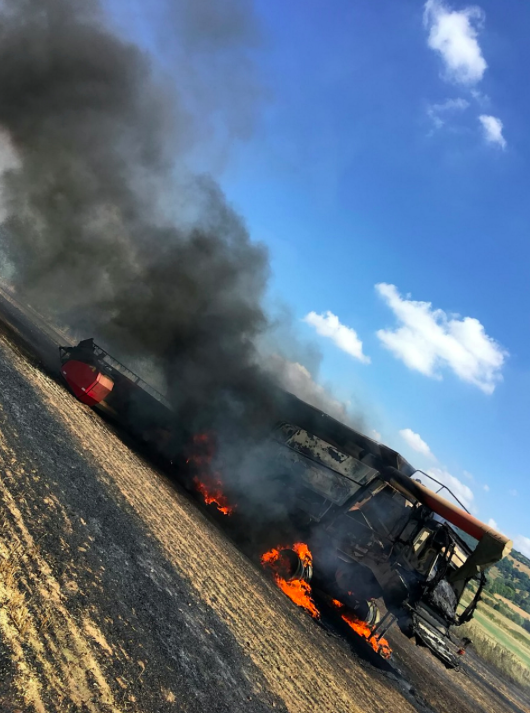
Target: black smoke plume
[{"x": 102, "y": 232}]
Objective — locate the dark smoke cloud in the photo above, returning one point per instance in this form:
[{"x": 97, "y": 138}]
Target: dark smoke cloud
[
  {"x": 106, "y": 230},
  {"x": 226, "y": 90},
  {"x": 209, "y": 50},
  {"x": 93, "y": 228}
]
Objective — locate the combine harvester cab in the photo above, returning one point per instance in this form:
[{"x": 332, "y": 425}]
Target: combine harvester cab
[
  {"x": 376, "y": 532},
  {"x": 456, "y": 549}
]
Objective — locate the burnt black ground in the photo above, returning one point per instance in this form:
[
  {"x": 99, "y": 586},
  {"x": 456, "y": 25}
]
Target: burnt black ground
[{"x": 162, "y": 632}]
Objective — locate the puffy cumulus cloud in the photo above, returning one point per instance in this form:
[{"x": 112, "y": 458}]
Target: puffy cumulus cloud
[
  {"x": 345, "y": 338},
  {"x": 492, "y": 127},
  {"x": 453, "y": 34},
  {"x": 428, "y": 340},
  {"x": 297, "y": 379},
  {"x": 462, "y": 492},
  {"x": 493, "y": 523},
  {"x": 522, "y": 545},
  {"x": 416, "y": 442},
  {"x": 439, "y": 113}
]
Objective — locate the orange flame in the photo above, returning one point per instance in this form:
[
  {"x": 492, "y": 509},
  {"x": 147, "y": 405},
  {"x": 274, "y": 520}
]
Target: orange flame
[
  {"x": 297, "y": 590},
  {"x": 302, "y": 550},
  {"x": 208, "y": 484},
  {"x": 212, "y": 494},
  {"x": 378, "y": 643}
]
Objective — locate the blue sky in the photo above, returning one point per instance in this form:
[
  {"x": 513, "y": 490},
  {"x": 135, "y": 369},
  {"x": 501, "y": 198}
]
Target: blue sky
[{"x": 389, "y": 147}]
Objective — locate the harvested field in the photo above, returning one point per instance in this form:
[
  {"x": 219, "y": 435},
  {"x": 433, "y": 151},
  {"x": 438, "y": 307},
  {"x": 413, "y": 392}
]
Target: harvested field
[
  {"x": 513, "y": 607},
  {"x": 118, "y": 594}
]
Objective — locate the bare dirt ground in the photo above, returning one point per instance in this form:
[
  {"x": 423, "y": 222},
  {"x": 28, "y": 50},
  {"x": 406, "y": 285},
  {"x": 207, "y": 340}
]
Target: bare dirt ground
[{"x": 118, "y": 594}]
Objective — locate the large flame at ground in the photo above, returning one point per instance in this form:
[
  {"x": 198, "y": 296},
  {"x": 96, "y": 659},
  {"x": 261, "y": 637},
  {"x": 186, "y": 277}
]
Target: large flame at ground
[
  {"x": 378, "y": 643},
  {"x": 298, "y": 590},
  {"x": 208, "y": 483}
]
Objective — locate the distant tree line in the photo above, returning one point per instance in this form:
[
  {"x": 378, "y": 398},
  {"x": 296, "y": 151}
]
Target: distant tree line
[
  {"x": 513, "y": 585},
  {"x": 520, "y": 558}
]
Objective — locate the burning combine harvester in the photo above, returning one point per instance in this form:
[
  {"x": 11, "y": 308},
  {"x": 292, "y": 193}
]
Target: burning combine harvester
[{"x": 367, "y": 532}]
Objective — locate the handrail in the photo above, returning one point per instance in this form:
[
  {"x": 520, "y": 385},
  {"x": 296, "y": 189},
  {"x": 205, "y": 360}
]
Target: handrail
[
  {"x": 114, "y": 363},
  {"x": 442, "y": 487}
]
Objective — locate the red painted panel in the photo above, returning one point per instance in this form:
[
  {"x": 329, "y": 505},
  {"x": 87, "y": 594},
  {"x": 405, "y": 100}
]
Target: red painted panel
[
  {"x": 101, "y": 389},
  {"x": 88, "y": 384},
  {"x": 466, "y": 522}
]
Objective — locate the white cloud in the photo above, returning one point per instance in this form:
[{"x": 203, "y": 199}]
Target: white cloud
[
  {"x": 328, "y": 325},
  {"x": 469, "y": 476},
  {"x": 461, "y": 491},
  {"x": 375, "y": 435},
  {"x": 428, "y": 340},
  {"x": 493, "y": 130},
  {"x": 453, "y": 34},
  {"x": 522, "y": 544},
  {"x": 438, "y": 113},
  {"x": 416, "y": 442},
  {"x": 492, "y": 523},
  {"x": 481, "y": 98},
  {"x": 486, "y": 488}
]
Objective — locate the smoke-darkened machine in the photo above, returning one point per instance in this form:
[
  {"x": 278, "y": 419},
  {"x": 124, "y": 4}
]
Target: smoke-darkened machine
[{"x": 374, "y": 530}]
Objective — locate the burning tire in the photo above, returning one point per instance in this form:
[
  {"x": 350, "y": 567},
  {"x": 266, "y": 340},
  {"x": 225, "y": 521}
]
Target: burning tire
[
  {"x": 292, "y": 569},
  {"x": 358, "y": 589},
  {"x": 368, "y": 611},
  {"x": 291, "y": 566}
]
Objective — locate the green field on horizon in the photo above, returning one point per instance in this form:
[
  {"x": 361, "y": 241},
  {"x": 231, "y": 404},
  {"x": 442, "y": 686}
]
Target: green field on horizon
[{"x": 504, "y": 637}]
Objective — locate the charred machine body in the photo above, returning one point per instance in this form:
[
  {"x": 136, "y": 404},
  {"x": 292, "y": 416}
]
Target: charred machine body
[{"x": 377, "y": 533}]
